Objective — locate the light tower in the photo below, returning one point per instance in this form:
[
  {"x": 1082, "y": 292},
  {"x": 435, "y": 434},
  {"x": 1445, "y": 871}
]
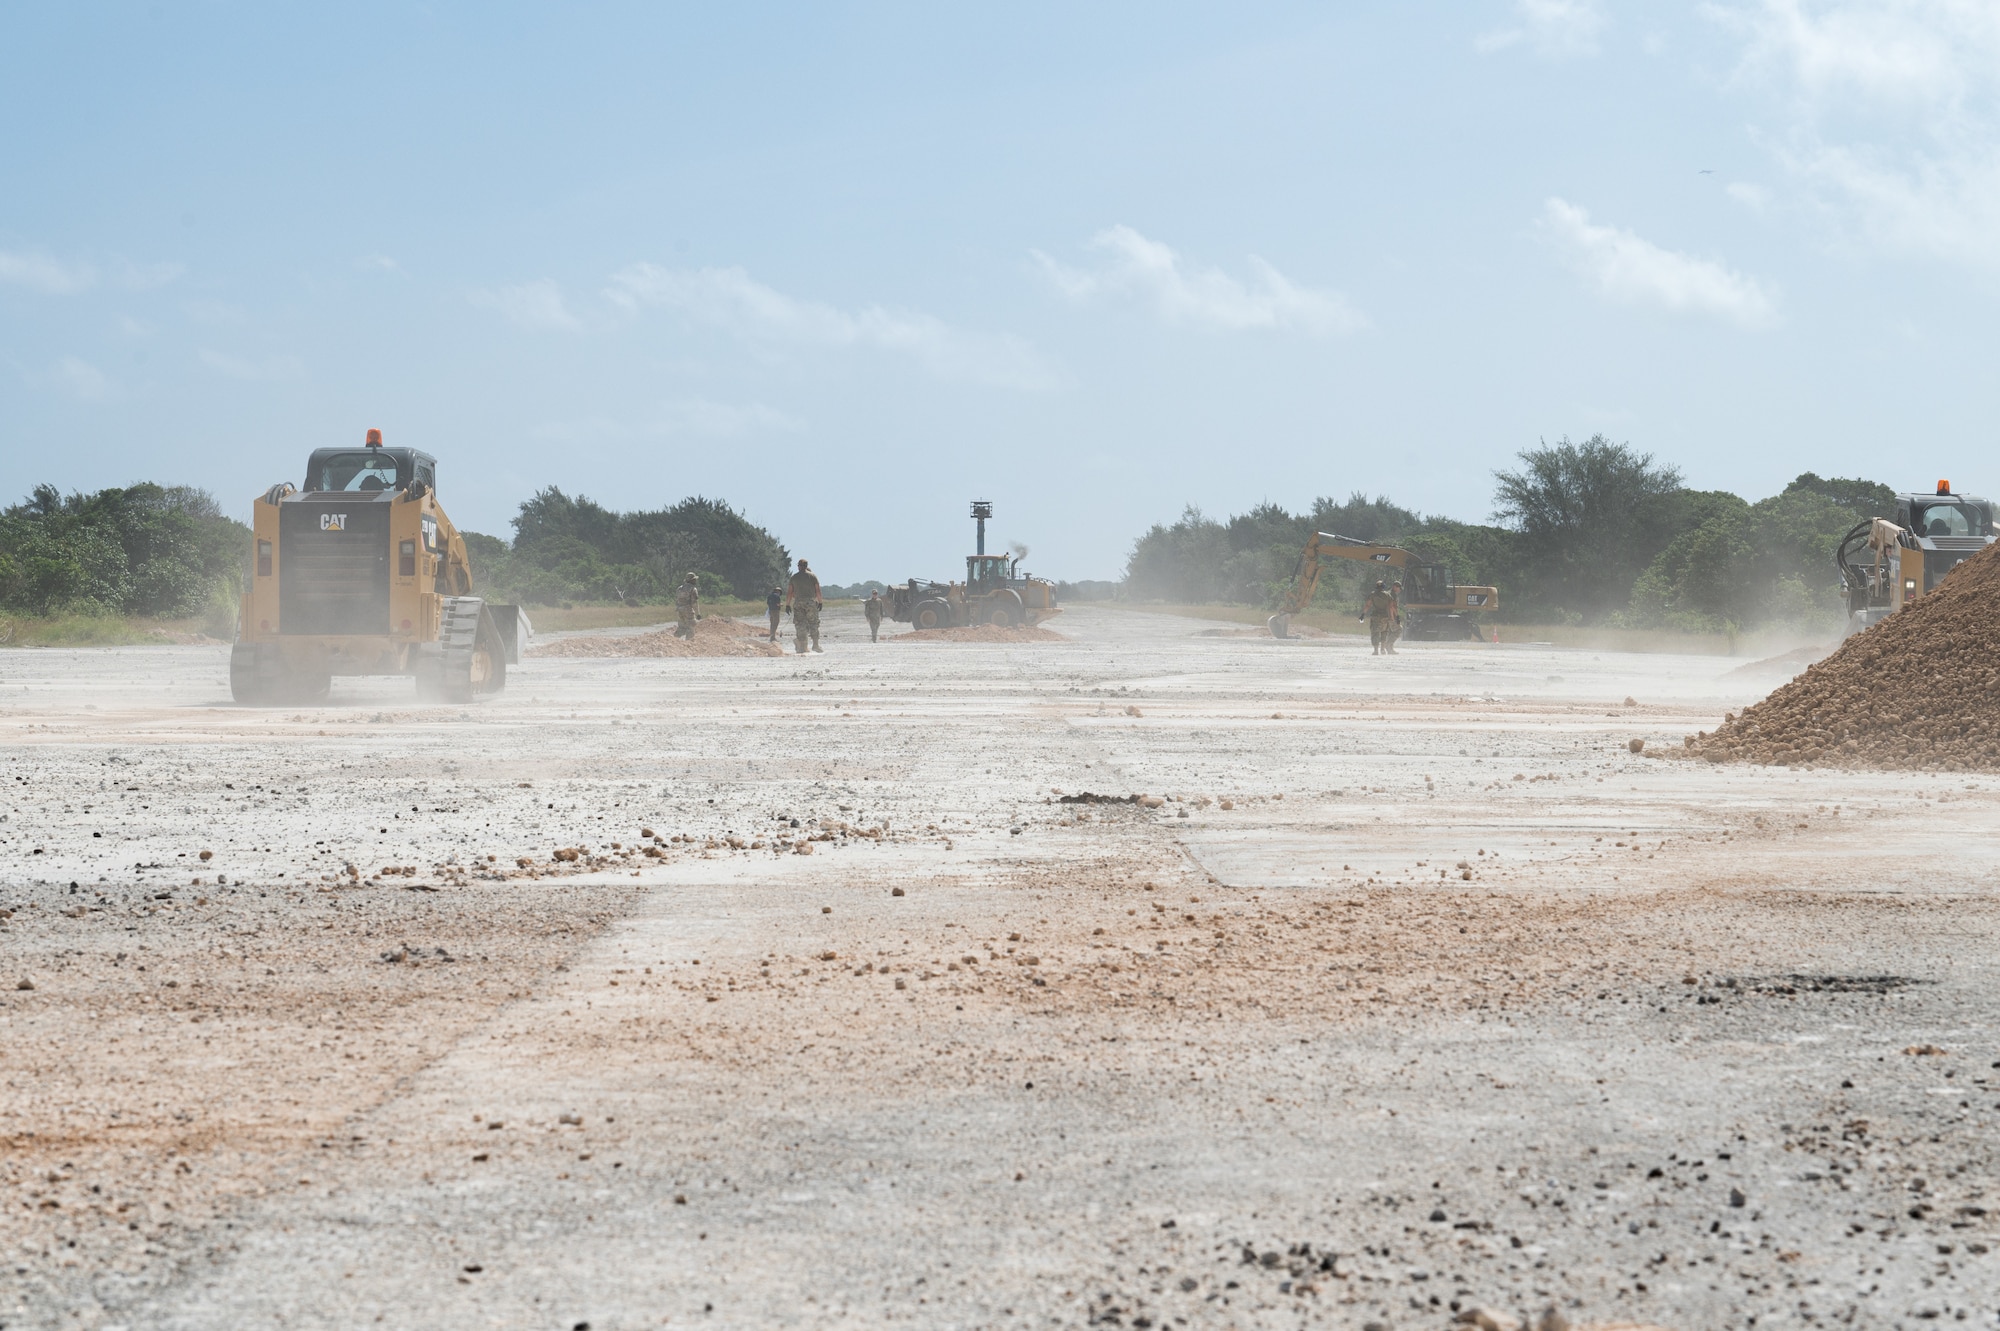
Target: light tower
[{"x": 982, "y": 509}]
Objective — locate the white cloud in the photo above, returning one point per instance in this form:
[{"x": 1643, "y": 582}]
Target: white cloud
[
  {"x": 44, "y": 274},
  {"x": 686, "y": 418},
  {"x": 1558, "y": 29},
  {"x": 57, "y": 277},
  {"x": 731, "y": 299},
  {"x": 265, "y": 369},
  {"x": 80, "y": 379},
  {"x": 1152, "y": 273},
  {"x": 1891, "y": 116},
  {"x": 1928, "y": 53},
  {"x": 532, "y": 305},
  {"x": 1628, "y": 268}
]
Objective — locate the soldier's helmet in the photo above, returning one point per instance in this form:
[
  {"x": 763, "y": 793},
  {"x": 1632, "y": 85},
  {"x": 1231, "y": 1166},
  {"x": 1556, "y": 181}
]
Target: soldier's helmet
[
  {"x": 1381, "y": 586},
  {"x": 690, "y": 578}
]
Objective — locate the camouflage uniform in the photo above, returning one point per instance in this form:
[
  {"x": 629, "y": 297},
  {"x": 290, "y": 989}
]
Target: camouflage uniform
[
  {"x": 803, "y": 595},
  {"x": 685, "y": 601},
  {"x": 872, "y": 607},
  {"x": 775, "y": 604},
  {"x": 1380, "y": 612}
]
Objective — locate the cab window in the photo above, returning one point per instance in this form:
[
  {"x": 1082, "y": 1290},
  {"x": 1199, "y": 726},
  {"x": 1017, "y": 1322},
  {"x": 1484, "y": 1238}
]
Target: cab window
[
  {"x": 1950, "y": 520},
  {"x": 354, "y": 472}
]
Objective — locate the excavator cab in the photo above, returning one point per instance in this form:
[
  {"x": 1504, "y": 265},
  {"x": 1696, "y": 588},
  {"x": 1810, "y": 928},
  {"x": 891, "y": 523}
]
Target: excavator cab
[{"x": 1427, "y": 585}]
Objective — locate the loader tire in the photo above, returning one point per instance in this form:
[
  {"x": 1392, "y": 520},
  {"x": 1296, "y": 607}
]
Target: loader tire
[
  {"x": 1005, "y": 610},
  {"x": 249, "y": 682},
  {"x": 468, "y": 658},
  {"x": 930, "y": 614}
]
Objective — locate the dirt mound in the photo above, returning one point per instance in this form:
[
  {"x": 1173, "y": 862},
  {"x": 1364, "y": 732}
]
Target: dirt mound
[
  {"x": 713, "y": 636},
  {"x": 981, "y": 633},
  {"x": 1915, "y": 691}
]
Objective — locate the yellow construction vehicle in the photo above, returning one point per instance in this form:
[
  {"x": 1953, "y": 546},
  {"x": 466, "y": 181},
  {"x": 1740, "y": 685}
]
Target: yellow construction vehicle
[
  {"x": 994, "y": 592},
  {"x": 361, "y": 573},
  {"x": 1434, "y": 609},
  {"x": 1931, "y": 535}
]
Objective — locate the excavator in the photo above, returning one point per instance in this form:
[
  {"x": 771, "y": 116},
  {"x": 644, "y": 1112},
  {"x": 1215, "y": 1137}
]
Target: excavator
[
  {"x": 1931, "y": 535},
  {"x": 1434, "y": 608}
]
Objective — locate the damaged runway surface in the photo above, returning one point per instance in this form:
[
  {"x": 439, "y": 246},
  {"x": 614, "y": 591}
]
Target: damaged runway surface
[{"x": 751, "y": 992}]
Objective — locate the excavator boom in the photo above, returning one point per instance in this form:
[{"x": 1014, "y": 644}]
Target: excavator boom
[{"x": 1434, "y": 607}]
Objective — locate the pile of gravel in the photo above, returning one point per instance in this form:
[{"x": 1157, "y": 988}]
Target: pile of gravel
[{"x": 1921, "y": 689}]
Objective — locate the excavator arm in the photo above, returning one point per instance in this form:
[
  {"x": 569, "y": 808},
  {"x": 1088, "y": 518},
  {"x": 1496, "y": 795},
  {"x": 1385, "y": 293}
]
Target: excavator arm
[{"x": 1321, "y": 547}]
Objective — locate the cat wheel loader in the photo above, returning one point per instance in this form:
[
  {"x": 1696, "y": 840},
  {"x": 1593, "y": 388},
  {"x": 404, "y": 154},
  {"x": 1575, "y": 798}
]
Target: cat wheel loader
[
  {"x": 994, "y": 592},
  {"x": 1884, "y": 564},
  {"x": 359, "y": 572},
  {"x": 1434, "y": 609}
]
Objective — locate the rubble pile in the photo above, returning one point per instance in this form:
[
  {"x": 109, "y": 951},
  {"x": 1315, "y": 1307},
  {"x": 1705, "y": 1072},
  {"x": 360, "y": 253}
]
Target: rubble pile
[
  {"x": 713, "y": 636},
  {"x": 1919, "y": 690}
]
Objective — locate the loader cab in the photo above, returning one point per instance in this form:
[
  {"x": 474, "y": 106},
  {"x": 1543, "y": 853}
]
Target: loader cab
[
  {"x": 987, "y": 572},
  {"x": 368, "y": 471},
  {"x": 1944, "y": 530},
  {"x": 1954, "y": 516}
]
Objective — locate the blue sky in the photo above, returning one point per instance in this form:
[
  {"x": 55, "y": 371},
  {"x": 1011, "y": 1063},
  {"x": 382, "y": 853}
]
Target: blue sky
[{"x": 850, "y": 266}]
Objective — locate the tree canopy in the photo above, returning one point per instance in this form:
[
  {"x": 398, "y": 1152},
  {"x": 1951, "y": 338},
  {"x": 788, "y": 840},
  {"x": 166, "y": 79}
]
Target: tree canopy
[
  {"x": 571, "y": 548},
  {"x": 1588, "y": 532}
]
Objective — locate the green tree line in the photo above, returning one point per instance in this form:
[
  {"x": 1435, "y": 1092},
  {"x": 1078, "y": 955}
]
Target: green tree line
[
  {"x": 1583, "y": 533},
  {"x": 167, "y": 552},
  {"x": 569, "y": 549},
  {"x": 157, "y": 551}
]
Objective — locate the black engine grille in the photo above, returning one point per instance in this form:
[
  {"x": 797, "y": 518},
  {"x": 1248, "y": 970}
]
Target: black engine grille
[{"x": 333, "y": 566}]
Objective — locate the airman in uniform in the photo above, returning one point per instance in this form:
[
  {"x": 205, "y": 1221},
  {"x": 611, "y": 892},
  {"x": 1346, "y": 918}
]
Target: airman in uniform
[
  {"x": 774, "y": 605},
  {"x": 1396, "y": 619},
  {"x": 872, "y": 607},
  {"x": 802, "y": 595},
  {"x": 1379, "y": 609},
  {"x": 685, "y": 601}
]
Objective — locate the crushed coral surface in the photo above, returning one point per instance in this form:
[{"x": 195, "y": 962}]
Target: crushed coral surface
[
  {"x": 981, "y": 633},
  {"x": 1918, "y": 690},
  {"x": 713, "y": 636}
]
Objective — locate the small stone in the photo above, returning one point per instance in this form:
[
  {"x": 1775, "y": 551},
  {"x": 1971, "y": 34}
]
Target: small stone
[
  {"x": 1225, "y": 804},
  {"x": 1488, "y": 1319},
  {"x": 25, "y": 984},
  {"x": 1437, "y": 1217},
  {"x": 1552, "y": 1319},
  {"x": 1736, "y": 1198},
  {"x": 1636, "y": 745},
  {"x": 208, "y": 854},
  {"x": 826, "y": 910},
  {"x": 895, "y": 891}
]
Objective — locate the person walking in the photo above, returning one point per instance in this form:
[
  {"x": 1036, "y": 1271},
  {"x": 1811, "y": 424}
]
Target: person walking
[
  {"x": 872, "y": 607},
  {"x": 1396, "y": 616},
  {"x": 802, "y": 596},
  {"x": 1379, "y": 609},
  {"x": 685, "y": 602},
  {"x": 774, "y": 605}
]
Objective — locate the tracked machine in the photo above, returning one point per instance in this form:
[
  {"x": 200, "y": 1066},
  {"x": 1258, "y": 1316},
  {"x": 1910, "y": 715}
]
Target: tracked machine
[
  {"x": 359, "y": 572},
  {"x": 994, "y": 592},
  {"x": 1885, "y": 564},
  {"x": 1434, "y": 608}
]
